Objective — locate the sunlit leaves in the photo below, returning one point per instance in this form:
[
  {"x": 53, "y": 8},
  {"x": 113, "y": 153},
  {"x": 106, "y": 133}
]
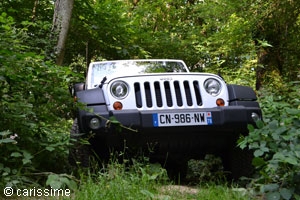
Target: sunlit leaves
[
  {"x": 34, "y": 101},
  {"x": 276, "y": 145}
]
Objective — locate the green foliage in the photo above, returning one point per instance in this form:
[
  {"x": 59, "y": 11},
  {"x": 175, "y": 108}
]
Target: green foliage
[
  {"x": 58, "y": 181},
  {"x": 116, "y": 181},
  {"x": 210, "y": 169},
  {"x": 102, "y": 30},
  {"x": 36, "y": 20},
  {"x": 145, "y": 181},
  {"x": 33, "y": 101},
  {"x": 234, "y": 38},
  {"x": 241, "y": 76},
  {"x": 228, "y": 38},
  {"x": 276, "y": 143}
]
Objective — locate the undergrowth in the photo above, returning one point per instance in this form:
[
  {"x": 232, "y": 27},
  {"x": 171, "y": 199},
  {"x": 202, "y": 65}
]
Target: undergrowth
[
  {"x": 143, "y": 180},
  {"x": 276, "y": 143}
]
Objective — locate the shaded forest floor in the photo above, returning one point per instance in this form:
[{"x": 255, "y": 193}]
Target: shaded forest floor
[{"x": 150, "y": 181}]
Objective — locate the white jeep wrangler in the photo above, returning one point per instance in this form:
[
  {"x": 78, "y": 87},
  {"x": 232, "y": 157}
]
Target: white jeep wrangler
[{"x": 180, "y": 115}]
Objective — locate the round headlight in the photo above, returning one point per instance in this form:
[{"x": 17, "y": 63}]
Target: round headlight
[
  {"x": 119, "y": 89},
  {"x": 212, "y": 86},
  {"x": 94, "y": 123}
]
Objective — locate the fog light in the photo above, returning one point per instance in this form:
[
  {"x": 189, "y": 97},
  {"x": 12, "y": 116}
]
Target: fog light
[
  {"x": 94, "y": 123},
  {"x": 255, "y": 116},
  {"x": 220, "y": 102},
  {"x": 118, "y": 105}
]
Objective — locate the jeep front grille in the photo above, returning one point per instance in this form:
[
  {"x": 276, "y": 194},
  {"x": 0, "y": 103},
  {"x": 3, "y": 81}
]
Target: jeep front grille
[{"x": 167, "y": 94}]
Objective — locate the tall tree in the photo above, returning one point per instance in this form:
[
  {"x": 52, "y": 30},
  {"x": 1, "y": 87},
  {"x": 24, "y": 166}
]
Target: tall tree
[
  {"x": 278, "y": 25},
  {"x": 61, "y": 23}
]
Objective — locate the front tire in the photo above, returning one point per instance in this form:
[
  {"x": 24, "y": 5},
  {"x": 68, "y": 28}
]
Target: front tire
[
  {"x": 177, "y": 170},
  {"x": 79, "y": 153},
  {"x": 239, "y": 163}
]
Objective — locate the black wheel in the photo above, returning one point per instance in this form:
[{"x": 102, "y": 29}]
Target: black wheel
[
  {"x": 177, "y": 170},
  {"x": 238, "y": 162},
  {"x": 79, "y": 153}
]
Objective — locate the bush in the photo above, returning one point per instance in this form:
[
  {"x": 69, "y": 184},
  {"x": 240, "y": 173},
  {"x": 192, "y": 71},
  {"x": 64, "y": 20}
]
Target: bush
[
  {"x": 276, "y": 143},
  {"x": 34, "y": 106}
]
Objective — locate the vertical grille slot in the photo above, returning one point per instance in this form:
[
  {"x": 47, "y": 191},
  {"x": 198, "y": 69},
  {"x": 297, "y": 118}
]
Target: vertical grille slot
[
  {"x": 138, "y": 97},
  {"x": 177, "y": 93},
  {"x": 158, "y": 94},
  {"x": 168, "y": 94},
  {"x": 188, "y": 95},
  {"x": 197, "y": 93},
  {"x": 148, "y": 94}
]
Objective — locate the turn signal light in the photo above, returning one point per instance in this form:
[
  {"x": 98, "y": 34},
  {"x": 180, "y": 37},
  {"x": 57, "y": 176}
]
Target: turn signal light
[
  {"x": 118, "y": 105},
  {"x": 220, "y": 102}
]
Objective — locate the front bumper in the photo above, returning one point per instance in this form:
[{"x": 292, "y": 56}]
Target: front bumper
[
  {"x": 233, "y": 118},
  {"x": 175, "y": 141}
]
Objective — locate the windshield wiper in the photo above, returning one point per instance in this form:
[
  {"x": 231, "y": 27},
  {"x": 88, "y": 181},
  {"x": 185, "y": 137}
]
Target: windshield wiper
[{"x": 102, "y": 82}]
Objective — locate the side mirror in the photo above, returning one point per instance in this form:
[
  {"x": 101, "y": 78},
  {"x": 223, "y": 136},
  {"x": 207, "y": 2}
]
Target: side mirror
[{"x": 76, "y": 88}]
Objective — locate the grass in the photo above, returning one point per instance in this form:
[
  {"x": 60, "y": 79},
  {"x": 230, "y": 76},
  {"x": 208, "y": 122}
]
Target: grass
[
  {"x": 120, "y": 182},
  {"x": 142, "y": 180},
  {"x": 147, "y": 181}
]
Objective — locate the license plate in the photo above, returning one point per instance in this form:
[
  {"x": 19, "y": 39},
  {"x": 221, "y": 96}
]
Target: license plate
[{"x": 182, "y": 119}]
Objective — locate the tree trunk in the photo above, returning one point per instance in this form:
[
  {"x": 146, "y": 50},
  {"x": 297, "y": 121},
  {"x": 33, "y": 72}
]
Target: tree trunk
[
  {"x": 34, "y": 9},
  {"x": 260, "y": 69},
  {"x": 135, "y": 2},
  {"x": 61, "y": 23},
  {"x": 88, "y": 58}
]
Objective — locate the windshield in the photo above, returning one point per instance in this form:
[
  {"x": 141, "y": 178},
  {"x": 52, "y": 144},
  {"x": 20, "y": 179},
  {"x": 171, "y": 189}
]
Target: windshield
[{"x": 123, "y": 68}]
